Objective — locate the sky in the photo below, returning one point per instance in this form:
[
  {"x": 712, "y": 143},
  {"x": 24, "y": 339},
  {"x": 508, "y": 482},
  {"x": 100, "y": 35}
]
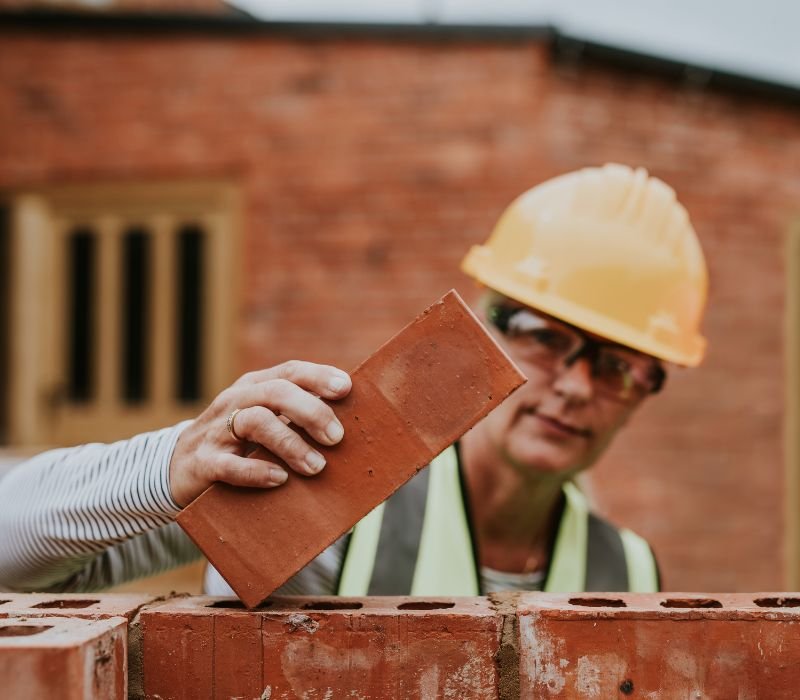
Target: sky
[{"x": 754, "y": 39}]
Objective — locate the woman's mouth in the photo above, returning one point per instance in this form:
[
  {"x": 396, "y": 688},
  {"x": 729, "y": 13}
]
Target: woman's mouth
[{"x": 561, "y": 427}]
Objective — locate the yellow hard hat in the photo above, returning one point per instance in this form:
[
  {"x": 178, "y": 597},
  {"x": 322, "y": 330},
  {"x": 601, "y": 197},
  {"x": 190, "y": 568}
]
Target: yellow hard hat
[{"x": 609, "y": 250}]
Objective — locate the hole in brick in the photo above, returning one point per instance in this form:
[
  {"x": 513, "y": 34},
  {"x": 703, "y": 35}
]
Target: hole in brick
[
  {"x": 598, "y": 602},
  {"x": 690, "y": 603},
  {"x": 63, "y": 604},
  {"x": 778, "y": 602},
  {"x": 425, "y": 605},
  {"x": 23, "y": 630},
  {"x": 236, "y": 605},
  {"x": 3, "y": 602},
  {"x": 333, "y": 605}
]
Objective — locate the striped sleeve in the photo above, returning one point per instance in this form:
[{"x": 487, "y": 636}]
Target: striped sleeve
[{"x": 88, "y": 517}]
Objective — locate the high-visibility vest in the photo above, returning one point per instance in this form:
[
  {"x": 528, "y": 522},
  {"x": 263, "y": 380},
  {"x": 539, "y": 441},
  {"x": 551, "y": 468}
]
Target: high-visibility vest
[{"x": 419, "y": 542}]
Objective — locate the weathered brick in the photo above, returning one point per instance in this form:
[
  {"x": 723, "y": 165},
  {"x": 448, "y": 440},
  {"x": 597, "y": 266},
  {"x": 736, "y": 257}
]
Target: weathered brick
[
  {"x": 87, "y": 605},
  {"x": 177, "y": 655},
  {"x": 415, "y": 396},
  {"x": 670, "y": 646},
  {"x": 206, "y": 647},
  {"x": 57, "y": 657}
]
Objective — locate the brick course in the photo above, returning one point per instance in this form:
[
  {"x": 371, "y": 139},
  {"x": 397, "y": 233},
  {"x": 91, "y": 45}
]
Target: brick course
[{"x": 533, "y": 645}]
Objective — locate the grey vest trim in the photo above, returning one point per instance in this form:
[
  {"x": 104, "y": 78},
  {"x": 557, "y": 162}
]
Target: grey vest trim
[
  {"x": 401, "y": 531},
  {"x": 398, "y": 542},
  {"x": 606, "y": 566}
]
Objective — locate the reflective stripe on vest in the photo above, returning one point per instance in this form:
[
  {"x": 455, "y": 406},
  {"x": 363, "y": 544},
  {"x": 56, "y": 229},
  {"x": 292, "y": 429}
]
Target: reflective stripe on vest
[
  {"x": 419, "y": 542},
  {"x": 642, "y": 569}
]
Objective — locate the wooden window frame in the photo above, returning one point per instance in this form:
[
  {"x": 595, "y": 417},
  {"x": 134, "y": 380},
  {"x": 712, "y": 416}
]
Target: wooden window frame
[{"x": 40, "y": 221}]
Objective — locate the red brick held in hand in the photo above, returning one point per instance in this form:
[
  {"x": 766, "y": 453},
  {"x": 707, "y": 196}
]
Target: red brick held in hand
[{"x": 416, "y": 395}]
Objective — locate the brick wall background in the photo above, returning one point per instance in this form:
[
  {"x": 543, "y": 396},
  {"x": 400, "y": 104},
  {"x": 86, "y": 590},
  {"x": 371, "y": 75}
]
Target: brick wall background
[{"x": 369, "y": 165}]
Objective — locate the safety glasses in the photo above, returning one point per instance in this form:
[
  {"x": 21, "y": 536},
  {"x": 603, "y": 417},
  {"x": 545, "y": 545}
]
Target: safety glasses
[{"x": 617, "y": 372}]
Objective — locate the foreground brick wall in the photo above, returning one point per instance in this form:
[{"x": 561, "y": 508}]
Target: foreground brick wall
[
  {"x": 84, "y": 605},
  {"x": 678, "y": 646},
  {"x": 63, "y": 657},
  {"x": 339, "y": 647},
  {"x": 532, "y": 646},
  {"x": 368, "y": 167}
]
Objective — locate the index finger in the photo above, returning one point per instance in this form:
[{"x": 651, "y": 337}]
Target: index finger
[{"x": 323, "y": 380}]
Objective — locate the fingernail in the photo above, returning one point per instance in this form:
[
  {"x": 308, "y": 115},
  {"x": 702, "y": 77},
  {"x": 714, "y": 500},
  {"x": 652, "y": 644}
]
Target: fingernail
[
  {"x": 278, "y": 475},
  {"x": 334, "y": 431},
  {"x": 315, "y": 462},
  {"x": 338, "y": 383}
]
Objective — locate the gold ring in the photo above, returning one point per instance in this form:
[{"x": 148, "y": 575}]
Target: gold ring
[{"x": 230, "y": 426}]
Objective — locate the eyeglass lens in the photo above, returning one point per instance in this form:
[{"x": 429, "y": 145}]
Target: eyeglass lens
[{"x": 551, "y": 345}]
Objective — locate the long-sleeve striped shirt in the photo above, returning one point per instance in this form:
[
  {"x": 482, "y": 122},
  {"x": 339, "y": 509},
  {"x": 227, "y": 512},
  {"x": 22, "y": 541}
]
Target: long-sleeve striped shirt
[
  {"x": 91, "y": 517},
  {"x": 94, "y": 516}
]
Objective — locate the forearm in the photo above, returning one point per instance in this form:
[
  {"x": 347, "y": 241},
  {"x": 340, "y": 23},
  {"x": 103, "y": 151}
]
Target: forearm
[
  {"x": 63, "y": 509},
  {"x": 148, "y": 554}
]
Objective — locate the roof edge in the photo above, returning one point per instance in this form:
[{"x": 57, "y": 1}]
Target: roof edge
[
  {"x": 168, "y": 22},
  {"x": 566, "y": 47},
  {"x": 574, "y": 48}
]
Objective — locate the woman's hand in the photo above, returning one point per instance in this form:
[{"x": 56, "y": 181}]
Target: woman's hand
[{"x": 266, "y": 400}]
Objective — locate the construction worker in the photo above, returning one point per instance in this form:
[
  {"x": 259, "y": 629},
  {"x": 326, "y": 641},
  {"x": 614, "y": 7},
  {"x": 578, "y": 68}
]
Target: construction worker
[
  {"x": 594, "y": 280},
  {"x": 594, "y": 283}
]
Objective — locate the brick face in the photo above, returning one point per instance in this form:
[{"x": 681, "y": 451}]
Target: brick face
[
  {"x": 68, "y": 658},
  {"x": 304, "y": 648},
  {"x": 71, "y": 605},
  {"x": 369, "y": 166},
  {"x": 681, "y": 646}
]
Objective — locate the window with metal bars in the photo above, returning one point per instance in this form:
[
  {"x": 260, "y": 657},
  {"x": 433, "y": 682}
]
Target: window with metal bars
[
  {"x": 137, "y": 295},
  {"x": 115, "y": 323}
]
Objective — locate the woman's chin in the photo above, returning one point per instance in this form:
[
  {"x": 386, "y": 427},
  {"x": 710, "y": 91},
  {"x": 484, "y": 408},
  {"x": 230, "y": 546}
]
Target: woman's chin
[{"x": 547, "y": 459}]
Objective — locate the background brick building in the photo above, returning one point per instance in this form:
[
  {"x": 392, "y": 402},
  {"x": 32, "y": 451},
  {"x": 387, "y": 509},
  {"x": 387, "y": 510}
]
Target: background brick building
[{"x": 363, "y": 162}]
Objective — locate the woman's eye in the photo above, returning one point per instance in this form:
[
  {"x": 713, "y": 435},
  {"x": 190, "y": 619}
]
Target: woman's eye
[
  {"x": 613, "y": 364},
  {"x": 553, "y": 340}
]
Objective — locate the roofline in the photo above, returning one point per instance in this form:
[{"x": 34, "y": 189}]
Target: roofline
[
  {"x": 566, "y": 47},
  {"x": 243, "y": 23},
  {"x": 572, "y": 48}
]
